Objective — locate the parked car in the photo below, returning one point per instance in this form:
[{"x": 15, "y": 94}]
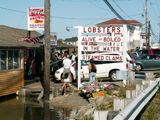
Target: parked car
[
  {"x": 147, "y": 62},
  {"x": 104, "y": 68},
  {"x": 149, "y": 51}
]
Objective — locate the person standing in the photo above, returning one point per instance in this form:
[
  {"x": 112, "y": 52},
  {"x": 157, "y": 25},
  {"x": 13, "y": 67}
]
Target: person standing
[
  {"x": 76, "y": 68},
  {"x": 29, "y": 68},
  {"x": 54, "y": 65},
  {"x": 60, "y": 60},
  {"x": 38, "y": 64},
  {"x": 66, "y": 65},
  {"x": 92, "y": 70},
  {"x": 73, "y": 57}
]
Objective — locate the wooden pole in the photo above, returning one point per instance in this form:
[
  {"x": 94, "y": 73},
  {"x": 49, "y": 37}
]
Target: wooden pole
[
  {"x": 47, "y": 51},
  {"x": 146, "y": 27},
  {"x": 149, "y": 45}
]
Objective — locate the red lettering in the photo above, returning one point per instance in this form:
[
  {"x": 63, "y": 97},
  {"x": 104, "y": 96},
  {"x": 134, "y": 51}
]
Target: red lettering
[
  {"x": 104, "y": 29},
  {"x": 85, "y": 48},
  {"x": 89, "y": 29},
  {"x": 113, "y": 29},
  {"x": 83, "y": 39},
  {"x": 118, "y": 29},
  {"x": 108, "y": 30},
  {"x": 106, "y": 57},
  {"x": 118, "y": 48},
  {"x": 84, "y": 30},
  {"x": 113, "y": 59},
  {"x": 94, "y": 29},
  {"x": 102, "y": 58},
  {"x": 104, "y": 48},
  {"x": 99, "y": 29}
]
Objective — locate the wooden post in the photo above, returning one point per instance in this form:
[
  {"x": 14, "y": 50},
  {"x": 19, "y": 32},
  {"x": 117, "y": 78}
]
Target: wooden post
[
  {"x": 149, "y": 45},
  {"x": 47, "y": 51},
  {"x": 146, "y": 26}
]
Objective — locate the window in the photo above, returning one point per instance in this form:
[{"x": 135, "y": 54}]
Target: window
[
  {"x": 13, "y": 59},
  {"x": 21, "y": 59},
  {"x": 3, "y": 59},
  {"x": 146, "y": 52},
  {"x": 156, "y": 51},
  {"x": 147, "y": 57},
  {"x": 85, "y": 62}
]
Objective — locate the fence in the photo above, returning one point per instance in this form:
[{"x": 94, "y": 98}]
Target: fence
[{"x": 134, "y": 108}]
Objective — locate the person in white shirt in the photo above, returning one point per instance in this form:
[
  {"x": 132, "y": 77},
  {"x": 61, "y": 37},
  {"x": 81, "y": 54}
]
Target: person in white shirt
[{"x": 66, "y": 65}]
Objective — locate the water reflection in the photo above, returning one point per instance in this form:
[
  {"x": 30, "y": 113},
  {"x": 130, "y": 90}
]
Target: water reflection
[{"x": 21, "y": 108}]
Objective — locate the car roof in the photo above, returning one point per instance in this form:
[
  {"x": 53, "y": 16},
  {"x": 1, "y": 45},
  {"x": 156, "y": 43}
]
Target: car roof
[{"x": 148, "y": 49}]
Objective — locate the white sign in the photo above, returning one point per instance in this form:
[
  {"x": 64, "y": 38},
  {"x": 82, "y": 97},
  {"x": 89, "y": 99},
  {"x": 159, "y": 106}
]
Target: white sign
[
  {"x": 53, "y": 39},
  {"x": 100, "y": 39},
  {"x": 102, "y": 48},
  {"x": 102, "y": 57},
  {"x": 36, "y": 19},
  {"x": 116, "y": 30}
]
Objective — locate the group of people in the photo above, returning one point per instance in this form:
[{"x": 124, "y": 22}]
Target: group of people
[
  {"x": 59, "y": 61},
  {"x": 67, "y": 79}
]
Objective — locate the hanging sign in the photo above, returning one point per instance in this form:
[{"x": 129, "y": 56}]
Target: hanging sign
[{"x": 36, "y": 19}]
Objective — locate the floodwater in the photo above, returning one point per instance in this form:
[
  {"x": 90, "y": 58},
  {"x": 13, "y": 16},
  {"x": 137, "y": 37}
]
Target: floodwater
[{"x": 29, "y": 108}]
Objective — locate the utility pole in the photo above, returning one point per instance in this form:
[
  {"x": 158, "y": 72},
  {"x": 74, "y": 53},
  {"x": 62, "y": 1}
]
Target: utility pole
[
  {"x": 146, "y": 25},
  {"x": 47, "y": 51},
  {"x": 149, "y": 45},
  {"x": 159, "y": 30}
]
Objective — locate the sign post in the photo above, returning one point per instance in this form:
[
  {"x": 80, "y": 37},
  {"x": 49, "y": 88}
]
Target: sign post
[{"x": 79, "y": 54}]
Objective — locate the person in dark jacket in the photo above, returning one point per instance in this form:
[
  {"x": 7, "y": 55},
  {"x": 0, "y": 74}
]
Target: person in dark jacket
[
  {"x": 29, "y": 68},
  {"x": 54, "y": 65},
  {"x": 92, "y": 70}
]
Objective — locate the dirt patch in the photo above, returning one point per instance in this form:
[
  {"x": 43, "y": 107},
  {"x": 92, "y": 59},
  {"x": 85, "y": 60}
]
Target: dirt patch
[{"x": 74, "y": 100}]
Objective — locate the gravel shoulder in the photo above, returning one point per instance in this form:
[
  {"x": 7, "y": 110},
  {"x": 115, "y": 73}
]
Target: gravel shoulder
[{"x": 73, "y": 100}]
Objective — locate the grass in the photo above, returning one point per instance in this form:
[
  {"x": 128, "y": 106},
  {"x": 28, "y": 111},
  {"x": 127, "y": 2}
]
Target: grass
[
  {"x": 152, "y": 109},
  {"x": 76, "y": 91}
]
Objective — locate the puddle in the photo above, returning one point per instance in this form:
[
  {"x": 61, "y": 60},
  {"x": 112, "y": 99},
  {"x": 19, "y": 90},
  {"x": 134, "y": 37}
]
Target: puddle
[{"x": 29, "y": 108}]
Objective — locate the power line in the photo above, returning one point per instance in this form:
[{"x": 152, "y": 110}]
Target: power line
[
  {"x": 108, "y": 4},
  {"x": 121, "y": 9},
  {"x": 153, "y": 9},
  {"x": 157, "y": 6},
  {"x": 97, "y": 5},
  {"x": 12, "y": 10},
  {"x": 62, "y": 17}
]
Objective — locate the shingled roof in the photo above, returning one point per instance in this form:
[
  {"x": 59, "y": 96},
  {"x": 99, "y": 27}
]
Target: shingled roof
[
  {"x": 9, "y": 39},
  {"x": 70, "y": 40},
  {"x": 117, "y": 22}
]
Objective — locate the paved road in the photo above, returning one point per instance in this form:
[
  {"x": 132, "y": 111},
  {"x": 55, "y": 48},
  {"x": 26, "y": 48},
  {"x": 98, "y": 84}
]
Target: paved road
[{"x": 106, "y": 80}]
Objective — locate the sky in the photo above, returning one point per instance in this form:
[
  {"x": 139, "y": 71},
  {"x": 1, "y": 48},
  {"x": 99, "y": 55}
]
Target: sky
[{"x": 87, "y": 13}]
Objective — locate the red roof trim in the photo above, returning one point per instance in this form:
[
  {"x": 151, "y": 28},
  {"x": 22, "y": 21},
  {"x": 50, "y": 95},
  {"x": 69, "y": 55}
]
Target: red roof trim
[{"x": 117, "y": 22}]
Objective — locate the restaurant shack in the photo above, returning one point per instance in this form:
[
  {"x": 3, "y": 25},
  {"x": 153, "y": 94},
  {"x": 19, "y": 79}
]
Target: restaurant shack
[{"x": 12, "y": 57}]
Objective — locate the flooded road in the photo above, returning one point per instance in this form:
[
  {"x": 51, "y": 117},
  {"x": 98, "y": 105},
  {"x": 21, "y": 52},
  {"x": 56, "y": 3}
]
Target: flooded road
[{"x": 20, "y": 108}]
